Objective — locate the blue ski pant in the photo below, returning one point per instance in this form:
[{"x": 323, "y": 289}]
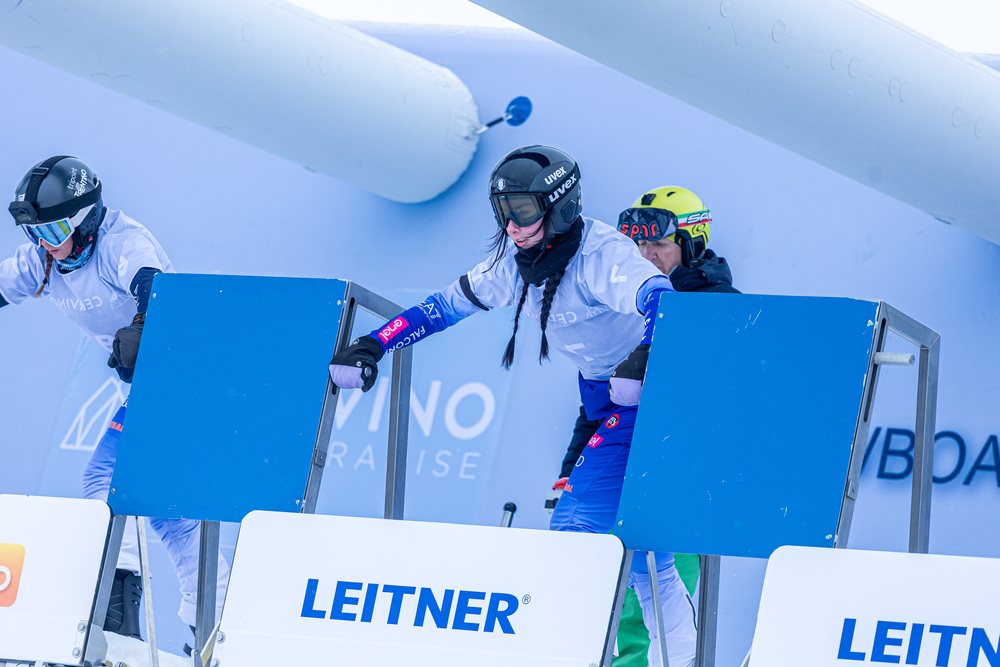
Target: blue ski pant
[
  {"x": 590, "y": 504},
  {"x": 181, "y": 537}
]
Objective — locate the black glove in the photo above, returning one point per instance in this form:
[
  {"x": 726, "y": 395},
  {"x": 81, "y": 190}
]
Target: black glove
[
  {"x": 625, "y": 386},
  {"x": 126, "y": 345},
  {"x": 357, "y": 365}
]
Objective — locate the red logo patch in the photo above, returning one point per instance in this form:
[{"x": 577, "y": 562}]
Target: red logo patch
[
  {"x": 595, "y": 441},
  {"x": 612, "y": 421},
  {"x": 392, "y": 329}
]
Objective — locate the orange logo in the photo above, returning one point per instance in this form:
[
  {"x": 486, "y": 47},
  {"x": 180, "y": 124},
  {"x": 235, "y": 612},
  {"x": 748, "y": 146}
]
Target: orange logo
[{"x": 11, "y": 559}]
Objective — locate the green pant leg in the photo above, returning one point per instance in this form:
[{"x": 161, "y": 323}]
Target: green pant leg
[
  {"x": 688, "y": 568},
  {"x": 633, "y": 638}
]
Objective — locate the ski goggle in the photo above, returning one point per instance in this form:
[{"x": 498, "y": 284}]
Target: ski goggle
[
  {"x": 655, "y": 224},
  {"x": 647, "y": 224},
  {"x": 53, "y": 233},
  {"x": 523, "y": 208}
]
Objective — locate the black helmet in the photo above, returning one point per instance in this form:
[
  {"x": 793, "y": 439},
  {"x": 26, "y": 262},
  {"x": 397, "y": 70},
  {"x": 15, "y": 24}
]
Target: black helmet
[
  {"x": 533, "y": 181},
  {"x": 57, "y": 198}
]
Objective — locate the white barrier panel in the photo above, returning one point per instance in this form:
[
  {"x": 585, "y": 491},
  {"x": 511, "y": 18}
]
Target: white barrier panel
[
  {"x": 310, "y": 589},
  {"x": 841, "y": 607},
  {"x": 50, "y": 560}
]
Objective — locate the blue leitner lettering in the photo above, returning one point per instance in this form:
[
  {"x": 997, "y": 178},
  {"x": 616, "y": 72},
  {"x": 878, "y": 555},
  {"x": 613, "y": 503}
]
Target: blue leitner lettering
[
  {"x": 392, "y": 604},
  {"x": 891, "y": 634}
]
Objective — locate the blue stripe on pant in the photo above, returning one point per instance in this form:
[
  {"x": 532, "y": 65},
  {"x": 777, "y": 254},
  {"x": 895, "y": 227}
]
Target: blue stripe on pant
[
  {"x": 590, "y": 504},
  {"x": 181, "y": 537}
]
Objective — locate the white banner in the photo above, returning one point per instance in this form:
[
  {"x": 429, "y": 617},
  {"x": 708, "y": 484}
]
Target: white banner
[
  {"x": 50, "y": 559},
  {"x": 842, "y": 607},
  {"x": 310, "y": 589}
]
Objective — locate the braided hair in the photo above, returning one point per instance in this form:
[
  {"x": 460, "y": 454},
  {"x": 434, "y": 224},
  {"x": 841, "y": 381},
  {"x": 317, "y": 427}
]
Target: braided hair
[
  {"x": 48, "y": 269},
  {"x": 548, "y": 293},
  {"x": 551, "y": 285},
  {"x": 508, "y": 354}
]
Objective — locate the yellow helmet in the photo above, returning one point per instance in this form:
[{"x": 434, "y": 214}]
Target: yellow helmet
[{"x": 671, "y": 213}]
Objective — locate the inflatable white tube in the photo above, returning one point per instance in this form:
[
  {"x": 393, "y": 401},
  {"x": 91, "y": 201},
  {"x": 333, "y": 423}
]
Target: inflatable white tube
[
  {"x": 268, "y": 73},
  {"x": 831, "y": 80}
]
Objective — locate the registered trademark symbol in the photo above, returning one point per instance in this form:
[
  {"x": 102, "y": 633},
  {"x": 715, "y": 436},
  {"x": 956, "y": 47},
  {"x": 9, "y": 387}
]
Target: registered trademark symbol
[{"x": 526, "y": 599}]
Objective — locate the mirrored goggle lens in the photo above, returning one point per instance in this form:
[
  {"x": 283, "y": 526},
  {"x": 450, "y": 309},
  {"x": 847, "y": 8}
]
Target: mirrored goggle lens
[
  {"x": 647, "y": 224},
  {"x": 523, "y": 209},
  {"x": 53, "y": 233}
]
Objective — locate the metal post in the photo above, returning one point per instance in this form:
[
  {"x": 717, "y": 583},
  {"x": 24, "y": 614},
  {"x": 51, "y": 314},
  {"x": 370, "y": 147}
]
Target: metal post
[
  {"x": 708, "y": 610},
  {"x": 923, "y": 446},
  {"x": 399, "y": 421},
  {"x": 208, "y": 581},
  {"x": 94, "y": 646},
  {"x": 508, "y": 515},
  {"x": 616, "y": 612},
  {"x": 861, "y": 434},
  {"x": 147, "y": 591},
  {"x": 399, "y": 408},
  {"x": 923, "y": 449},
  {"x": 654, "y": 584},
  {"x": 328, "y": 411},
  {"x": 923, "y": 442}
]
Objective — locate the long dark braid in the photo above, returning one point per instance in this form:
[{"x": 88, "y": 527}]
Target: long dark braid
[
  {"x": 48, "y": 270},
  {"x": 551, "y": 285},
  {"x": 508, "y": 355},
  {"x": 548, "y": 293}
]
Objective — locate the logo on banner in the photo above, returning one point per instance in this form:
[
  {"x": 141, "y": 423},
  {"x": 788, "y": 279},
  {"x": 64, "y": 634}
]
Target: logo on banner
[
  {"x": 896, "y": 640},
  {"x": 595, "y": 441},
  {"x": 11, "y": 560},
  {"x": 92, "y": 419},
  {"x": 447, "y": 609},
  {"x": 392, "y": 329},
  {"x": 612, "y": 421}
]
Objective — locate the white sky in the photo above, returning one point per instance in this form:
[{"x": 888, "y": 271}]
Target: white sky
[
  {"x": 971, "y": 26},
  {"x": 434, "y": 12}
]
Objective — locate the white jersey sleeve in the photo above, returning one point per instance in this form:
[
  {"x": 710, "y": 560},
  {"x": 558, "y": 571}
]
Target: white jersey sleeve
[
  {"x": 614, "y": 270},
  {"x": 126, "y": 254},
  {"x": 22, "y": 274},
  {"x": 494, "y": 286}
]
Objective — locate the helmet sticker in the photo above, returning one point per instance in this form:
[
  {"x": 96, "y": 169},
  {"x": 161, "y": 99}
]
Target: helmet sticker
[
  {"x": 501, "y": 184},
  {"x": 555, "y": 175},
  {"x": 694, "y": 218},
  {"x": 567, "y": 185},
  {"x": 81, "y": 185}
]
